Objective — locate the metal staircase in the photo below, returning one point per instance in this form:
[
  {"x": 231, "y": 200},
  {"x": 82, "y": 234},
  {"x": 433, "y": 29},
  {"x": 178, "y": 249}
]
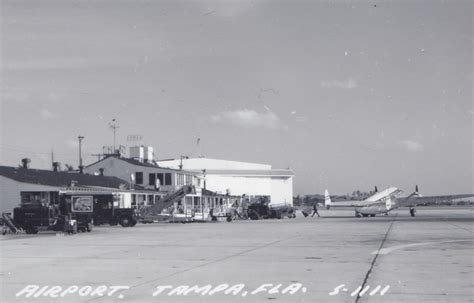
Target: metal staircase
[
  {"x": 148, "y": 212},
  {"x": 9, "y": 224}
]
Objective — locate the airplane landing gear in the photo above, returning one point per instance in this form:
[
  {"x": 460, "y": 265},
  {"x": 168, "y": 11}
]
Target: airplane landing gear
[{"x": 412, "y": 211}]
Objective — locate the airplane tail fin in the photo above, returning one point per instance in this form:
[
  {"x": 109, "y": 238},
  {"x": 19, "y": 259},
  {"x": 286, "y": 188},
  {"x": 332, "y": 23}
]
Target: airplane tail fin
[
  {"x": 416, "y": 193},
  {"x": 327, "y": 199}
]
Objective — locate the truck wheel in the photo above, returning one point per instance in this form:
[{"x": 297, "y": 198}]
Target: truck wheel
[
  {"x": 133, "y": 223},
  {"x": 89, "y": 227},
  {"x": 229, "y": 219},
  {"x": 125, "y": 221},
  {"x": 72, "y": 230},
  {"x": 253, "y": 216},
  {"x": 31, "y": 230}
]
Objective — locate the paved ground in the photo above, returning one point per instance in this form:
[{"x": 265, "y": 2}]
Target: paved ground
[{"x": 428, "y": 258}]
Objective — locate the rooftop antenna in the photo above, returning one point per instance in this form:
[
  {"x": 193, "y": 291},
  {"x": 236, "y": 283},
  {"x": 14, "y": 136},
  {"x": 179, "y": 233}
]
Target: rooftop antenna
[
  {"x": 52, "y": 158},
  {"x": 80, "y": 153},
  {"x": 113, "y": 125},
  {"x": 198, "y": 141}
]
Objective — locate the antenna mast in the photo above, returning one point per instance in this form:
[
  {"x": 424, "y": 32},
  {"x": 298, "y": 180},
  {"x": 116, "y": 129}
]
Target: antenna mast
[
  {"x": 80, "y": 153},
  {"x": 198, "y": 141},
  {"x": 113, "y": 125}
]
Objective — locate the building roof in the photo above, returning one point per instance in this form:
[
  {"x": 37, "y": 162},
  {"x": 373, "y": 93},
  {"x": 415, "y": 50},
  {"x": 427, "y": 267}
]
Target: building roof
[
  {"x": 210, "y": 163},
  {"x": 138, "y": 163},
  {"x": 129, "y": 160},
  {"x": 252, "y": 172},
  {"x": 60, "y": 179}
]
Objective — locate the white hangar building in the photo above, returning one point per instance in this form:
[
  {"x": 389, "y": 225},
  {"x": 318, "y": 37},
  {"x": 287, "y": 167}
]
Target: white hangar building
[{"x": 238, "y": 178}]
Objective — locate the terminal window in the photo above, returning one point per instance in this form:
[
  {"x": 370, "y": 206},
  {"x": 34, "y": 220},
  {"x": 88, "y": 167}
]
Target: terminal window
[
  {"x": 160, "y": 177},
  {"x": 151, "y": 179},
  {"x": 167, "y": 179},
  {"x": 180, "y": 179},
  {"x": 189, "y": 180},
  {"x": 139, "y": 178}
]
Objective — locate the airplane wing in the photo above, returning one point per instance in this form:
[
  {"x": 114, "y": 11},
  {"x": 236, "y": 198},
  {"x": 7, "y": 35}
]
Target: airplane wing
[{"x": 420, "y": 200}]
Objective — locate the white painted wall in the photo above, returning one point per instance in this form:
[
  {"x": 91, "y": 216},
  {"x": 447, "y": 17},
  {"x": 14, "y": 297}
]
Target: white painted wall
[
  {"x": 10, "y": 192},
  {"x": 239, "y": 185},
  {"x": 280, "y": 189}
]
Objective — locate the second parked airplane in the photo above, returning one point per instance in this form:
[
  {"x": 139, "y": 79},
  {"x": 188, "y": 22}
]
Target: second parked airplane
[{"x": 388, "y": 199}]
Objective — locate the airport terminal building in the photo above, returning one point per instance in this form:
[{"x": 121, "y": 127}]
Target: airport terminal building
[{"x": 221, "y": 176}]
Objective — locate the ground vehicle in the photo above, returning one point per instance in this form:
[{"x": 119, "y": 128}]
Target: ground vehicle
[
  {"x": 107, "y": 210},
  {"x": 262, "y": 210},
  {"x": 69, "y": 215}
]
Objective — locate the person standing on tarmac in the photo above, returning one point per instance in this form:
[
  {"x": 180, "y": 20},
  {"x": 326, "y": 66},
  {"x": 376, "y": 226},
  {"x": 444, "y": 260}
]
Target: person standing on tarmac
[{"x": 315, "y": 211}]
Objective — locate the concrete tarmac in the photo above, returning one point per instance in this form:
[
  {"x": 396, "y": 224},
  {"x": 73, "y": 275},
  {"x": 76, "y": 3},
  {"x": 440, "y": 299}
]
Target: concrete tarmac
[{"x": 428, "y": 258}]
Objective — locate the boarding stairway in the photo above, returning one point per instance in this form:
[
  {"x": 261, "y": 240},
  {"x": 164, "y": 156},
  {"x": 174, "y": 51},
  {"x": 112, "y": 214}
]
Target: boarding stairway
[
  {"x": 9, "y": 225},
  {"x": 148, "y": 213}
]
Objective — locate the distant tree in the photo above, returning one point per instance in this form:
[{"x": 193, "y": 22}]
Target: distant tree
[
  {"x": 307, "y": 200},
  {"x": 297, "y": 200},
  {"x": 68, "y": 167}
]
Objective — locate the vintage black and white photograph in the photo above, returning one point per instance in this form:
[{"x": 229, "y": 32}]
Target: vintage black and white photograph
[{"x": 236, "y": 151}]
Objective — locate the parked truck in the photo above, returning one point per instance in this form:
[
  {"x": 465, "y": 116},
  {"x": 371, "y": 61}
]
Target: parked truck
[
  {"x": 107, "y": 210},
  {"x": 69, "y": 215},
  {"x": 264, "y": 210}
]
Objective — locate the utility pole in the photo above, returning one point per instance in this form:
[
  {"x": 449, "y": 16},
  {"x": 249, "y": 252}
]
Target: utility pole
[
  {"x": 80, "y": 153},
  {"x": 198, "y": 147},
  {"x": 113, "y": 125},
  {"x": 181, "y": 161}
]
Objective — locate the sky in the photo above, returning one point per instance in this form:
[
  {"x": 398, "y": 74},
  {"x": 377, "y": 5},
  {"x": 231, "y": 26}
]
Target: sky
[{"x": 347, "y": 94}]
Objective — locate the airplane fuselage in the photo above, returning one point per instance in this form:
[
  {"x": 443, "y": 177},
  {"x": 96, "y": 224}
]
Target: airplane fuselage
[{"x": 382, "y": 207}]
